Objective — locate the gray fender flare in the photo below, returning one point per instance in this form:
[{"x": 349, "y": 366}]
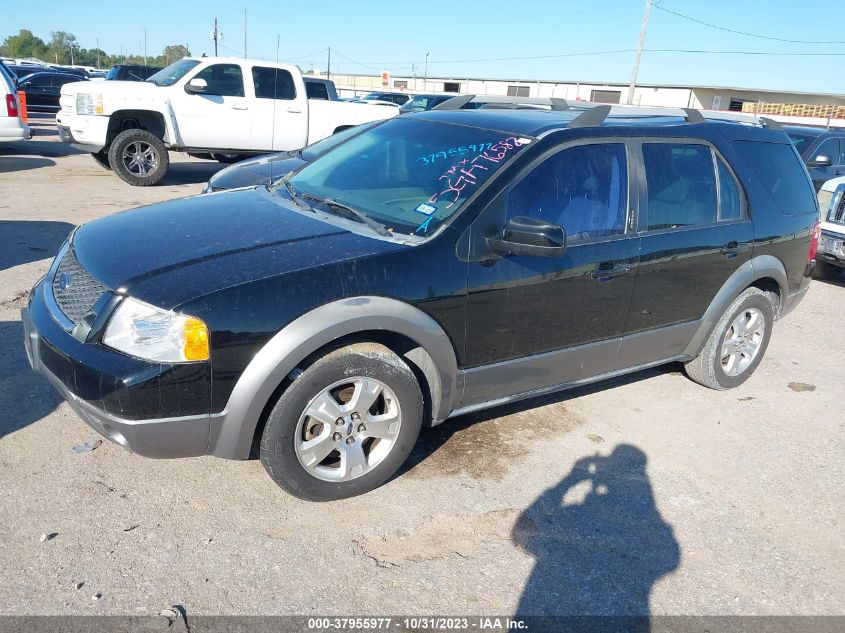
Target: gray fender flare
[
  {"x": 232, "y": 434},
  {"x": 758, "y": 267}
]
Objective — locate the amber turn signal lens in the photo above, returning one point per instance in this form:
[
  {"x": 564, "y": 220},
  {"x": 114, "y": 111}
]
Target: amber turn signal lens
[{"x": 196, "y": 339}]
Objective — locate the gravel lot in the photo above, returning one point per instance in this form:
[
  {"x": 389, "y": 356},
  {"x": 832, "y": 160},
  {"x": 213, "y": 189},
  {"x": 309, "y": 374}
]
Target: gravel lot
[{"x": 648, "y": 494}]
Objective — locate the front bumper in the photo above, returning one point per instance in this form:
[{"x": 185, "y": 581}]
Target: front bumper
[
  {"x": 129, "y": 401},
  {"x": 88, "y": 133}
]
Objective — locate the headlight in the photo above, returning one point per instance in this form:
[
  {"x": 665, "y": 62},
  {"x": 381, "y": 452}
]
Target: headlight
[
  {"x": 89, "y": 104},
  {"x": 151, "y": 333}
]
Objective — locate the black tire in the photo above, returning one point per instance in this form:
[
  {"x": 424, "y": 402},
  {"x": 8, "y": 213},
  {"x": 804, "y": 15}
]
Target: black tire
[
  {"x": 227, "y": 159},
  {"x": 707, "y": 368},
  {"x": 151, "y": 146},
  {"x": 825, "y": 271},
  {"x": 102, "y": 159},
  {"x": 366, "y": 360}
]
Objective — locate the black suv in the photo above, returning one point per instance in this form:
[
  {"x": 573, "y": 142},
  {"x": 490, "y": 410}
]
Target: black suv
[
  {"x": 438, "y": 263},
  {"x": 822, "y": 150}
]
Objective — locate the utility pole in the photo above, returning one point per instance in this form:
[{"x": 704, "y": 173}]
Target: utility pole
[
  {"x": 145, "y": 47},
  {"x": 215, "y": 36},
  {"x": 425, "y": 77},
  {"x": 639, "y": 54},
  {"x": 329, "y": 65},
  {"x": 244, "y": 32},
  {"x": 98, "y": 53}
]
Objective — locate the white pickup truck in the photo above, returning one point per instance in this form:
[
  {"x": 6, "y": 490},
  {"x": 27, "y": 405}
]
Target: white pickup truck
[{"x": 215, "y": 106}]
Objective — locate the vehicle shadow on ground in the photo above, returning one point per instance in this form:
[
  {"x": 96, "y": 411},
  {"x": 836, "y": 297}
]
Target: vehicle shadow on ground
[
  {"x": 9, "y": 164},
  {"x": 50, "y": 149},
  {"x": 599, "y": 544},
  {"x": 25, "y": 397},
  {"x": 193, "y": 173},
  {"x": 25, "y": 241},
  {"x": 432, "y": 439}
]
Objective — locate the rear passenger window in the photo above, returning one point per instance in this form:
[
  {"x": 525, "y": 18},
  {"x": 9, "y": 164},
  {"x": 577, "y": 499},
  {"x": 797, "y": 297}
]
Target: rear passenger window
[
  {"x": 224, "y": 80},
  {"x": 314, "y": 90},
  {"x": 782, "y": 175},
  {"x": 681, "y": 183},
  {"x": 584, "y": 189},
  {"x": 273, "y": 83},
  {"x": 730, "y": 202}
]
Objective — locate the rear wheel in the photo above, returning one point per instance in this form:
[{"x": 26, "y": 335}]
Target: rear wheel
[
  {"x": 826, "y": 271},
  {"x": 345, "y": 425},
  {"x": 138, "y": 157},
  {"x": 737, "y": 344}
]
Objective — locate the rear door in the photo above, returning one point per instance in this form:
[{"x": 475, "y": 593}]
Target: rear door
[
  {"x": 694, "y": 233},
  {"x": 219, "y": 118},
  {"x": 280, "y": 110}
]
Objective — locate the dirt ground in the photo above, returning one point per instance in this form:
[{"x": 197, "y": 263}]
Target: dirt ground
[{"x": 646, "y": 494}]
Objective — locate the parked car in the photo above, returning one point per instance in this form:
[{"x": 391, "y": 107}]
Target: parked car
[
  {"x": 437, "y": 264},
  {"x": 12, "y": 127},
  {"x": 211, "y": 105},
  {"x": 43, "y": 89},
  {"x": 267, "y": 169},
  {"x": 398, "y": 98},
  {"x": 830, "y": 258},
  {"x": 823, "y": 151},
  {"x": 131, "y": 72},
  {"x": 317, "y": 88},
  {"x": 22, "y": 70}
]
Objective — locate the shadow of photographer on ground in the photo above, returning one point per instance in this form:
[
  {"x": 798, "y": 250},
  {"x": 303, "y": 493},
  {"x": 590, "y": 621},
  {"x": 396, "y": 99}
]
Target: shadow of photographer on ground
[{"x": 599, "y": 544}]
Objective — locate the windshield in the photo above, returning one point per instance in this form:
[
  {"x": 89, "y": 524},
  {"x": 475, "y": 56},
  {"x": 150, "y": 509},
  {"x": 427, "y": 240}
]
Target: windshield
[
  {"x": 173, "y": 73},
  {"x": 321, "y": 147},
  {"x": 801, "y": 141},
  {"x": 407, "y": 174}
]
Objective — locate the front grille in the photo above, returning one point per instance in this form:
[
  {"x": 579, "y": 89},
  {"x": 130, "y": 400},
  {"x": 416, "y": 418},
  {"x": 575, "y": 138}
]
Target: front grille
[{"x": 75, "y": 290}]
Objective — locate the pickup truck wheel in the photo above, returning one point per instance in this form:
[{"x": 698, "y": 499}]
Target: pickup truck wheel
[
  {"x": 826, "y": 271},
  {"x": 345, "y": 425},
  {"x": 102, "y": 159},
  {"x": 737, "y": 344},
  {"x": 138, "y": 157}
]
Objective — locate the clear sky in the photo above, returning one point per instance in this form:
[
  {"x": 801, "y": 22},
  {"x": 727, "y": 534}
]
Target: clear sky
[{"x": 483, "y": 38}]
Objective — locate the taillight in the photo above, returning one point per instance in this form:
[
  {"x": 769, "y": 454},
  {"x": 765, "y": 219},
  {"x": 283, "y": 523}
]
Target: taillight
[
  {"x": 11, "y": 105},
  {"x": 814, "y": 242}
]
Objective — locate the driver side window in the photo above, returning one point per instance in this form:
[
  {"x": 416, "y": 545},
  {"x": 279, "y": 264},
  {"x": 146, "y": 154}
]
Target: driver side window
[
  {"x": 584, "y": 189},
  {"x": 225, "y": 80}
]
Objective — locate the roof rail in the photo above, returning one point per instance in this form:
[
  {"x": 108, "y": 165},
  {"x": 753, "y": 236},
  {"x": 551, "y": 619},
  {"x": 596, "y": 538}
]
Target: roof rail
[
  {"x": 771, "y": 123},
  {"x": 591, "y": 118},
  {"x": 455, "y": 103},
  {"x": 495, "y": 101},
  {"x": 694, "y": 116}
]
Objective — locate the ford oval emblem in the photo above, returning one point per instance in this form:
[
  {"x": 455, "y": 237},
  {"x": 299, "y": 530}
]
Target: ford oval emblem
[{"x": 65, "y": 279}]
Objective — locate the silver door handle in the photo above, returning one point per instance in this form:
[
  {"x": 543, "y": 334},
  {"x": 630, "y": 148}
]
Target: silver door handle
[
  {"x": 294, "y": 110},
  {"x": 240, "y": 106}
]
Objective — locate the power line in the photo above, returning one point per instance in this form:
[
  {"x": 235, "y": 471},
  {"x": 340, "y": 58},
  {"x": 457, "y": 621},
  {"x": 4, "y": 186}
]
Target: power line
[{"x": 728, "y": 30}]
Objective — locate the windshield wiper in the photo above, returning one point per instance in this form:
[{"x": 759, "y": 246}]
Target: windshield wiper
[
  {"x": 363, "y": 217},
  {"x": 292, "y": 193}
]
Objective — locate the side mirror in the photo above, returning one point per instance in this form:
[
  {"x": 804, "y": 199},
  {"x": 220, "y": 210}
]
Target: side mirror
[
  {"x": 196, "y": 86},
  {"x": 26, "y": 84},
  {"x": 530, "y": 237},
  {"x": 821, "y": 161}
]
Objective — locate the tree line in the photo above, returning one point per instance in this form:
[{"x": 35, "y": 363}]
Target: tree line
[{"x": 63, "y": 48}]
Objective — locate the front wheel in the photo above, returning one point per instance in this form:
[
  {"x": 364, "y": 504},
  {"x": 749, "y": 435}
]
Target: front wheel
[
  {"x": 825, "y": 271},
  {"x": 737, "y": 344},
  {"x": 345, "y": 425},
  {"x": 138, "y": 157}
]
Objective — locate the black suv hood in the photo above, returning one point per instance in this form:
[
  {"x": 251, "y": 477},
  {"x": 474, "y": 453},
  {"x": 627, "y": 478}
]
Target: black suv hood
[{"x": 168, "y": 253}]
